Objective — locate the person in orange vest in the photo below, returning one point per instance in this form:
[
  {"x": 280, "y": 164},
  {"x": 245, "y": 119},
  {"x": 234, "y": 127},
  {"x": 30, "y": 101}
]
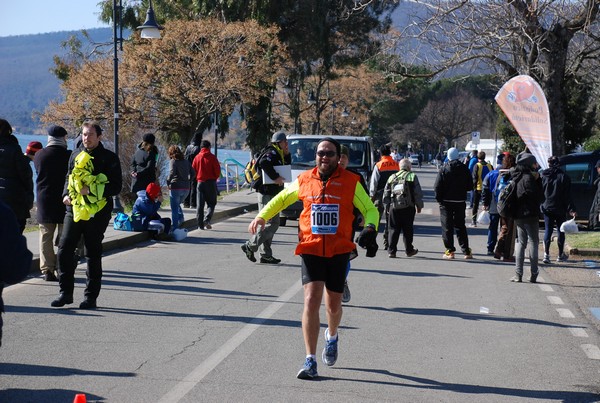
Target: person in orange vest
[
  {"x": 329, "y": 195},
  {"x": 385, "y": 168}
]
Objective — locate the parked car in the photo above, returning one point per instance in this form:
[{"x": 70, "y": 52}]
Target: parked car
[
  {"x": 361, "y": 159},
  {"x": 414, "y": 159},
  {"x": 580, "y": 167}
]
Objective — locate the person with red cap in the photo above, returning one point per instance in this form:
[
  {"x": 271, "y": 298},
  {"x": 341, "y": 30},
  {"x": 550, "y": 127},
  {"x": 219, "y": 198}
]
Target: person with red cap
[
  {"x": 16, "y": 177},
  {"x": 144, "y": 215},
  {"x": 32, "y": 148}
]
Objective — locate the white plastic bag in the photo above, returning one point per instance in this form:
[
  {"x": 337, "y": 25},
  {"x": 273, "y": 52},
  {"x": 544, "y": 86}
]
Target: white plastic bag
[
  {"x": 179, "y": 234},
  {"x": 569, "y": 227},
  {"x": 484, "y": 218}
]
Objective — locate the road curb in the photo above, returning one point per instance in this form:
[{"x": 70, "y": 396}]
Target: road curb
[{"x": 129, "y": 239}]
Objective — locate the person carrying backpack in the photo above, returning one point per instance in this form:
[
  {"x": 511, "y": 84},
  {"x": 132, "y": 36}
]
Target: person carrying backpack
[
  {"x": 403, "y": 197},
  {"x": 480, "y": 170},
  {"x": 530, "y": 195},
  {"x": 489, "y": 197},
  {"x": 277, "y": 153}
]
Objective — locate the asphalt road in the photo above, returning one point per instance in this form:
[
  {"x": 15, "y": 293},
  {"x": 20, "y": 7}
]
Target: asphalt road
[{"x": 195, "y": 321}]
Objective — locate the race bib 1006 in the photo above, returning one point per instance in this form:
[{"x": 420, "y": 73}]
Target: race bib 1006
[{"x": 324, "y": 218}]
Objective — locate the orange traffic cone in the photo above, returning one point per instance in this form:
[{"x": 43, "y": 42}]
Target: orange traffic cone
[{"x": 80, "y": 398}]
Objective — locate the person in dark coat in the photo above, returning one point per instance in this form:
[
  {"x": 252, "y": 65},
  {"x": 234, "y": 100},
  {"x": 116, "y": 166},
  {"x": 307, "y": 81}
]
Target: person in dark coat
[
  {"x": 16, "y": 258},
  {"x": 51, "y": 166},
  {"x": 16, "y": 176},
  {"x": 91, "y": 226},
  {"x": 530, "y": 195},
  {"x": 190, "y": 153},
  {"x": 594, "y": 215},
  {"x": 143, "y": 165},
  {"x": 557, "y": 203},
  {"x": 451, "y": 187}
]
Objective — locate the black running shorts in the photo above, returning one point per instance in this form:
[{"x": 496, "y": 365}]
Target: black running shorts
[{"x": 331, "y": 270}]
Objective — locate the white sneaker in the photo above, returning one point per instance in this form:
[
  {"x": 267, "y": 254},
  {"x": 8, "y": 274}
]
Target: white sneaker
[{"x": 546, "y": 259}]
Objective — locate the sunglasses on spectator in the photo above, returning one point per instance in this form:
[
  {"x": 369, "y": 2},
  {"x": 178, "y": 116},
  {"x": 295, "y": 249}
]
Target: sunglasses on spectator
[{"x": 328, "y": 154}]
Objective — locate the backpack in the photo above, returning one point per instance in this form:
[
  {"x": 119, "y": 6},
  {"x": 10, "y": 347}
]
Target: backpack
[
  {"x": 501, "y": 181},
  {"x": 122, "y": 222},
  {"x": 401, "y": 193},
  {"x": 507, "y": 200},
  {"x": 252, "y": 172}
]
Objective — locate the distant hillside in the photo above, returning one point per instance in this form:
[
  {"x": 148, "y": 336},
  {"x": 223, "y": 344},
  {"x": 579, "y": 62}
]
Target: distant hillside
[{"x": 26, "y": 82}]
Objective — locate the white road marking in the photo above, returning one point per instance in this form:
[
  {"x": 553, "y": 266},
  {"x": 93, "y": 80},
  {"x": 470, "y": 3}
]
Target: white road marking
[
  {"x": 592, "y": 351},
  {"x": 194, "y": 377},
  {"x": 565, "y": 313},
  {"x": 578, "y": 331},
  {"x": 545, "y": 287},
  {"x": 555, "y": 300}
]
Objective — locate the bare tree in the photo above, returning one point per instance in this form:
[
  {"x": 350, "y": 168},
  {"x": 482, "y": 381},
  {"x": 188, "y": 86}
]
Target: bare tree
[
  {"x": 554, "y": 41},
  {"x": 449, "y": 120}
]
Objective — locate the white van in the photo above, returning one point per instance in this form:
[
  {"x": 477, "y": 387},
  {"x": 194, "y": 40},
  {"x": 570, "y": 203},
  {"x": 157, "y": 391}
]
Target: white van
[
  {"x": 303, "y": 148},
  {"x": 491, "y": 148}
]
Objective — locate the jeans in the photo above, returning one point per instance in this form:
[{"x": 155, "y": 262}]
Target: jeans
[
  {"x": 207, "y": 194},
  {"x": 528, "y": 238},
  {"x": 549, "y": 221},
  {"x": 176, "y": 197},
  {"x": 452, "y": 218},
  {"x": 263, "y": 238},
  {"x": 493, "y": 232}
]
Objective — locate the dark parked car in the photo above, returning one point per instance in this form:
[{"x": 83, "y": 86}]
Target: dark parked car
[{"x": 580, "y": 168}]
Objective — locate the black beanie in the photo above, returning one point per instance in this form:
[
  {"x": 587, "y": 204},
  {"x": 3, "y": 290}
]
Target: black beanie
[
  {"x": 57, "y": 131},
  {"x": 149, "y": 138}
]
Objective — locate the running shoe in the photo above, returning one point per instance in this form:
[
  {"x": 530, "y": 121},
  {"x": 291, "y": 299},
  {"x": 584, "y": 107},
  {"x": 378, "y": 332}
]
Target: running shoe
[
  {"x": 248, "y": 252},
  {"x": 269, "y": 260},
  {"x": 562, "y": 258},
  {"x": 308, "y": 370},
  {"x": 412, "y": 253},
  {"x": 330, "y": 352},
  {"x": 346, "y": 294},
  {"x": 546, "y": 258},
  {"x": 468, "y": 254},
  {"x": 448, "y": 255}
]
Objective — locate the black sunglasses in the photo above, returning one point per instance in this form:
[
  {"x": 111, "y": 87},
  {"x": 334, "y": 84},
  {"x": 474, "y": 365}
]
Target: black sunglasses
[{"x": 328, "y": 154}]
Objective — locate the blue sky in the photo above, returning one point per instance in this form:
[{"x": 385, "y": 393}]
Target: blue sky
[{"x": 23, "y": 17}]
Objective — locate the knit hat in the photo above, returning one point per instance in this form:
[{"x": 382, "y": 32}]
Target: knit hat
[
  {"x": 453, "y": 154},
  {"x": 57, "y": 131},
  {"x": 526, "y": 159},
  {"x": 149, "y": 138},
  {"x": 33, "y": 147},
  {"x": 153, "y": 191}
]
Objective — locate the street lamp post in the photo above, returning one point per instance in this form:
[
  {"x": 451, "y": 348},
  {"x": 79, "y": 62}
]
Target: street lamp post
[{"x": 150, "y": 30}]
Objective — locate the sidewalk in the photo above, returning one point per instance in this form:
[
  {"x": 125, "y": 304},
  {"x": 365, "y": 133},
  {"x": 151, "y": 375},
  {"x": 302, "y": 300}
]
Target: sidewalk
[{"x": 232, "y": 204}]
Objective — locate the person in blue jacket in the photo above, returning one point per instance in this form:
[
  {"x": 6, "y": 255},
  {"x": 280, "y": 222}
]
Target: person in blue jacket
[
  {"x": 16, "y": 258},
  {"x": 144, "y": 215}
]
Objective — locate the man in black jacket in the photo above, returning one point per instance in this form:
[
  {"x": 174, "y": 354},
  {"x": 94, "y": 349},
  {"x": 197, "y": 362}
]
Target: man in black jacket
[
  {"x": 276, "y": 154},
  {"x": 190, "y": 153},
  {"x": 16, "y": 178},
  {"x": 557, "y": 203},
  {"x": 530, "y": 196},
  {"x": 51, "y": 165},
  {"x": 91, "y": 227},
  {"x": 451, "y": 187}
]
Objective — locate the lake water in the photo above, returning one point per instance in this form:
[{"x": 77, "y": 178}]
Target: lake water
[{"x": 233, "y": 158}]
